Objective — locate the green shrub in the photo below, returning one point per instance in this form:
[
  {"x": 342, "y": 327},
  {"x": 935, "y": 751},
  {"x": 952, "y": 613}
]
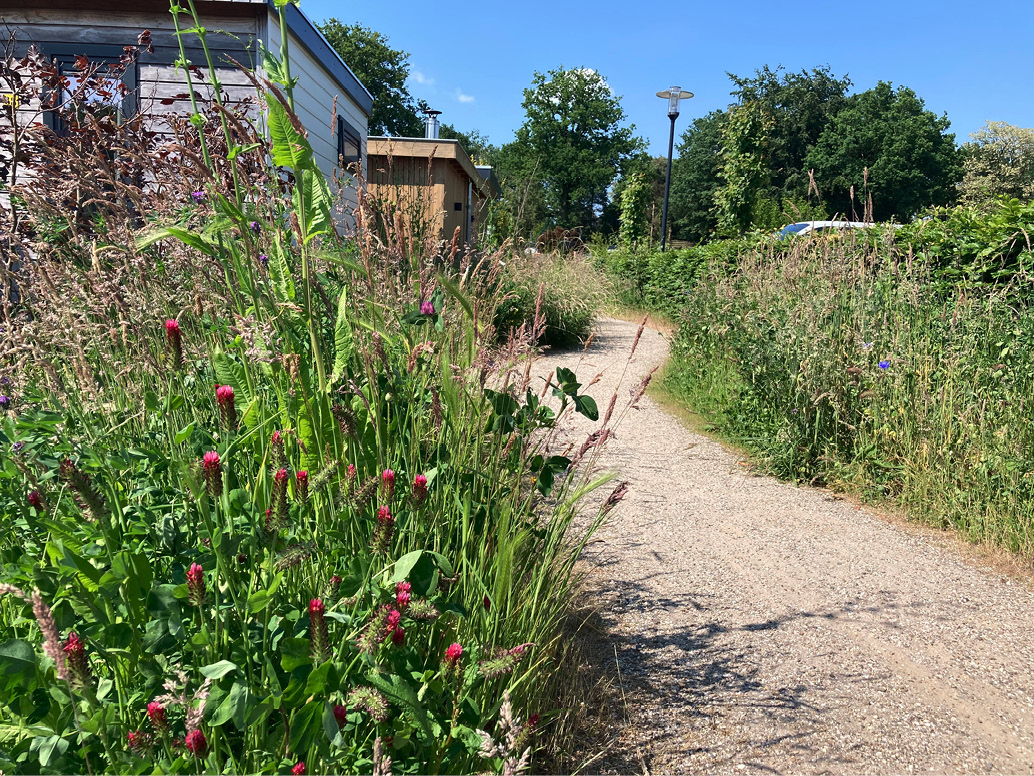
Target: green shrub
[{"x": 567, "y": 291}]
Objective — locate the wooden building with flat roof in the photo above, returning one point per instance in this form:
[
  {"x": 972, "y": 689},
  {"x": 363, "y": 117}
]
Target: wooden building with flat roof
[{"x": 430, "y": 178}]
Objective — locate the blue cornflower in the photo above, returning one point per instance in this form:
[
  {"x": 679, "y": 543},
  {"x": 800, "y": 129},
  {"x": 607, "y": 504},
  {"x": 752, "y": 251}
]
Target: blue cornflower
[{"x": 883, "y": 364}]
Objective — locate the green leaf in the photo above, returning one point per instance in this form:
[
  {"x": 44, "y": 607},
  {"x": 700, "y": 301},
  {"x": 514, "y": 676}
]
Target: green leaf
[
  {"x": 229, "y": 372},
  {"x": 586, "y": 405},
  {"x": 219, "y": 670},
  {"x": 342, "y": 338},
  {"x": 50, "y": 749},
  {"x": 184, "y": 433},
  {"x": 306, "y": 725},
  {"x": 288, "y": 147},
  {"x": 17, "y": 657},
  {"x": 294, "y": 653},
  {"x": 399, "y": 691}
]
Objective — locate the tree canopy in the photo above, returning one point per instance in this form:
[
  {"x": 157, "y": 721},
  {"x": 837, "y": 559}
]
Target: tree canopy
[
  {"x": 383, "y": 71},
  {"x": 572, "y": 143},
  {"x": 999, "y": 161},
  {"x": 884, "y": 143}
]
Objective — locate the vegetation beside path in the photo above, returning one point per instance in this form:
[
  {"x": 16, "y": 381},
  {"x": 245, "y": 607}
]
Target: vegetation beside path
[{"x": 894, "y": 365}]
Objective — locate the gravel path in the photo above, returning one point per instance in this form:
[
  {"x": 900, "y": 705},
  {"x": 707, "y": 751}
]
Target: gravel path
[{"x": 762, "y": 627}]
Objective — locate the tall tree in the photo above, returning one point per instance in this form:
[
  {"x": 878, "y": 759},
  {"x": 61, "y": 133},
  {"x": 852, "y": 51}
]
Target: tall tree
[
  {"x": 800, "y": 105},
  {"x": 694, "y": 178},
  {"x": 573, "y": 137},
  {"x": 884, "y": 143},
  {"x": 383, "y": 71},
  {"x": 998, "y": 161}
]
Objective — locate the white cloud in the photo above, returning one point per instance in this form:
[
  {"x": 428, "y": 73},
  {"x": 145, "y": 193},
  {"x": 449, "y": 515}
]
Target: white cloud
[
  {"x": 420, "y": 78},
  {"x": 464, "y": 97}
]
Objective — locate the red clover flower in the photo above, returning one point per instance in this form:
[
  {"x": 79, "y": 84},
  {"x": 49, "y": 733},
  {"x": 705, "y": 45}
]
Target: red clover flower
[
  {"x": 398, "y": 636},
  {"x": 174, "y": 343},
  {"x": 403, "y": 594},
  {"x": 385, "y": 528},
  {"x": 419, "y": 488},
  {"x": 156, "y": 714},
  {"x": 298, "y": 769},
  {"x": 388, "y": 478},
  {"x": 36, "y": 500},
  {"x": 302, "y": 478},
  {"x": 279, "y": 505},
  {"x": 227, "y": 408},
  {"x": 78, "y": 662},
  {"x": 318, "y": 631},
  {"x": 213, "y": 473},
  {"x": 196, "y": 743},
  {"x": 196, "y": 584},
  {"x": 453, "y": 655},
  {"x": 427, "y": 308},
  {"x": 138, "y": 742},
  {"x": 340, "y": 714},
  {"x": 276, "y": 441},
  {"x": 87, "y": 496}
]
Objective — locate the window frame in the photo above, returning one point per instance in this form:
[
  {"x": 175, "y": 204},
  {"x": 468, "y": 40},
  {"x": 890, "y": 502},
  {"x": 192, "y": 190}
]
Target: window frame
[
  {"x": 97, "y": 53},
  {"x": 347, "y": 131}
]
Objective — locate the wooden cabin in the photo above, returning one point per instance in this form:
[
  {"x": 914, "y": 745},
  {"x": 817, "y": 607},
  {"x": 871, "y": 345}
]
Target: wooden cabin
[
  {"x": 330, "y": 101},
  {"x": 431, "y": 179}
]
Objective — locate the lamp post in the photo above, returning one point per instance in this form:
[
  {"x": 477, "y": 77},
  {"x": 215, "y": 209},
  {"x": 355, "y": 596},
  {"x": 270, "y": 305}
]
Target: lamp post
[{"x": 672, "y": 95}]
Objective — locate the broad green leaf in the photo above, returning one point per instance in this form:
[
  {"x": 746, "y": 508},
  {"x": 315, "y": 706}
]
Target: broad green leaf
[
  {"x": 17, "y": 657},
  {"x": 342, "y": 338},
  {"x": 219, "y": 670},
  {"x": 289, "y": 148}
]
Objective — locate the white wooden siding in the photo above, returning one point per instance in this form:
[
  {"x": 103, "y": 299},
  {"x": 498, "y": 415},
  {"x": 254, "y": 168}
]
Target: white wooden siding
[{"x": 314, "y": 97}]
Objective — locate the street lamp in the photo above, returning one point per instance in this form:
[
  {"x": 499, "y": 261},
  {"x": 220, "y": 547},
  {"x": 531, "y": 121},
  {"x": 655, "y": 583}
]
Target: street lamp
[{"x": 673, "y": 95}]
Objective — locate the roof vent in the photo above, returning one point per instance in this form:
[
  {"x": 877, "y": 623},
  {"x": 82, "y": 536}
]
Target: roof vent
[{"x": 431, "y": 121}]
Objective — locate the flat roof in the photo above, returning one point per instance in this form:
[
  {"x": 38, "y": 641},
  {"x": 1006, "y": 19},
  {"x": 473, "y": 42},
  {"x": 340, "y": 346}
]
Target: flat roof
[{"x": 426, "y": 147}]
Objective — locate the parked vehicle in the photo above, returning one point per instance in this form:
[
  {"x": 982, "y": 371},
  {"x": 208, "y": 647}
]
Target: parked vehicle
[{"x": 817, "y": 227}]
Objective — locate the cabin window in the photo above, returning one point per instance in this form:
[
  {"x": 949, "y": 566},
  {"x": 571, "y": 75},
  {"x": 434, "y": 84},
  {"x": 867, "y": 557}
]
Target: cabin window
[
  {"x": 349, "y": 144},
  {"x": 92, "y": 78},
  {"x": 457, "y": 206}
]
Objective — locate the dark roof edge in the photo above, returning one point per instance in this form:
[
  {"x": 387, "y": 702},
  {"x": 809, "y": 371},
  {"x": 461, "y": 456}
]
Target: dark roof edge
[{"x": 320, "y": 47}]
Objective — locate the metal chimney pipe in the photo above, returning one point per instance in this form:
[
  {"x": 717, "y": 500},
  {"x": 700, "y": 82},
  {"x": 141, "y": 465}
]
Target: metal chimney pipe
[{"x": 431, "y": 122}]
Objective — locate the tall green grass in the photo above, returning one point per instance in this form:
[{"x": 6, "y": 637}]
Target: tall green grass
[{"x": 839, "y": 361}]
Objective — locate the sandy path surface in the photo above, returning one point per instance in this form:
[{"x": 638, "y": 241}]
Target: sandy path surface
[{"x": 762, "y": 627}]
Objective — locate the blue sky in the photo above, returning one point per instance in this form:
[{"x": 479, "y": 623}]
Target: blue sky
[{"x": 473, "y": 60}]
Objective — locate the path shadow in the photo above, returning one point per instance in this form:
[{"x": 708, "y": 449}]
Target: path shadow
[{"x": 700, "y": 671}]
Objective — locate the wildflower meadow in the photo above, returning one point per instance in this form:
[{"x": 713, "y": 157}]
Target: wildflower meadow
[{"x": 275, "y": 495}]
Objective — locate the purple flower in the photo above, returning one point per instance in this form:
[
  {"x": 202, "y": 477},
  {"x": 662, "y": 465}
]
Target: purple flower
[
  {"x": 255, "y": 226},
  {"x": 17, "y": 447},
  {"x": 5, "y": 381},
  {"x": 5, "y": 402},
  {"x": 883, "y": 364},
  {"x": 867, "y": 345},
  {"x": 197, "y": 196},
  {"x": 263, "y": 260},
  {"x": 427, "y": 308}
]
